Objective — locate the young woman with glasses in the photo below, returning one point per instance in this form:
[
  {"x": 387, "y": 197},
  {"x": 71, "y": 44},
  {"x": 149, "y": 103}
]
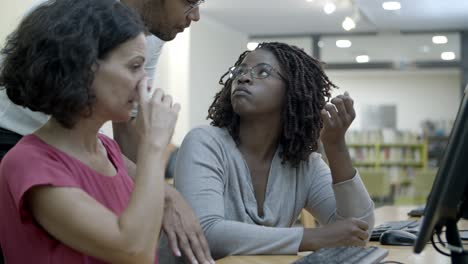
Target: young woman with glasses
[{"x": 249, "y": 174}]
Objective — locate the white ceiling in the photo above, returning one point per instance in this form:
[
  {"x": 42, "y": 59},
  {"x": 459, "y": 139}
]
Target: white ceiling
[
  {"x": 400, "y": 49},
  {"x": 296, "y": 17}
]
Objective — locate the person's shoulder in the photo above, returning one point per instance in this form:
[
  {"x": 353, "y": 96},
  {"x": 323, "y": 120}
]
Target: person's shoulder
[
  {"x": 210, "y": 137},
  {"x": 313, "y": 164},
  {"x": 208, "y": 145},
  {"x": 29, "y": 145},
  {"x": 208, "y": 132},
  {"x": 29, "y": 152},
  {"x": 314, "y": 157}
]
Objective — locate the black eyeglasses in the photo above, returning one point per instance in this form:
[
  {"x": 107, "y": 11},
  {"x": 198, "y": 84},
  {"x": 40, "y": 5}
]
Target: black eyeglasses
[
  {"x": 193, "y": 4},
  {"x": 259, "y": 71}
]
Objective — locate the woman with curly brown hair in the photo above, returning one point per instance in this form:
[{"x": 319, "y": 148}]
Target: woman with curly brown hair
[
  {"x": 66, "y": 192},
  {"x": 250, "y": 173}
]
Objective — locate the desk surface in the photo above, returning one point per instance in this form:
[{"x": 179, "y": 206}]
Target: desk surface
[{"x": 396, "y": 253}]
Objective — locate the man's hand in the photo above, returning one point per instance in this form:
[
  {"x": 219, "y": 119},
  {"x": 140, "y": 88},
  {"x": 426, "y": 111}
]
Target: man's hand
[{"x": 183, "y": 229}]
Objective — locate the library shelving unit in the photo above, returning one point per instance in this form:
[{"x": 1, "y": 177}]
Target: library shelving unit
[
  {"x": 380, "y": 155},
  {"x": 390, "y": 162},
  {"x": 398, "y": 153}
]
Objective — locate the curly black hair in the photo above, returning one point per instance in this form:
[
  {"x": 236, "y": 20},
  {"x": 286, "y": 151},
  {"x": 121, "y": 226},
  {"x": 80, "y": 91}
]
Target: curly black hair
[
  {"x": 51, "y": 58},
  {"x": 307, "y": 91}
]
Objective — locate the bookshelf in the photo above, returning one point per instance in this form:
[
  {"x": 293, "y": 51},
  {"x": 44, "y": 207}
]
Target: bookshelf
[
  {"x": 378, "y": 155},
  {"x": 398, "y": 153}
]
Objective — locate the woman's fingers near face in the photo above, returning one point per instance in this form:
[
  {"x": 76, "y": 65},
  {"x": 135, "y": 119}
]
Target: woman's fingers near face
[
  {"x": 348, "y": 101},
  {"x": 167, "y": 100},
  {"x": 326, "y": 118},
  {"x": 158, "y": 95},
  {"x": 340, "y": 106},
  {"x": 349, "y": 104},
  {"x": 345, "y": 105},
  {"x": 331, "y": 109},
  {"x": 142, "y": 92},
  {"x": 176, "y": 107}
]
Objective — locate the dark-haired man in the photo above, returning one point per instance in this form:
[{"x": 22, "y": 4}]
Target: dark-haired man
[{"x": 164, "y": 20}]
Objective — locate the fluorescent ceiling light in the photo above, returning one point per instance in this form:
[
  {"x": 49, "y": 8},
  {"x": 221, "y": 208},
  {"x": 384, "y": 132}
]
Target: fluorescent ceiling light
[
  {"x": 448, "y": 55},
  {"x": 439, "y": 39},
  {"x": 343, "y": 43},
  {"x": 362, "y": 59},
  {"x": 252, "y": 45},
  {"x": 310, "y": 1},
  {"x": 391, "y": 5},
  {"x": 329, "y": 8},
  {"x": 348, "y": 24}
]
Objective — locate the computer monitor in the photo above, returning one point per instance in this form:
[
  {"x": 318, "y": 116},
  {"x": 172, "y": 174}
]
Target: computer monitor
[{"x": 448, "y": 199}]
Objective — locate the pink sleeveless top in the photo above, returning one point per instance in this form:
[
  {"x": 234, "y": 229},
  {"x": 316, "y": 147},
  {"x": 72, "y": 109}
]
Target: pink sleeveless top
[{"x": 31, "y": 163}]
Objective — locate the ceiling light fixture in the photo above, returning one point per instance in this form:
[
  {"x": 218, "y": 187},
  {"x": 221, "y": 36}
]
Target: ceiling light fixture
[
  {"x": 252, "y": 45},
  {"x": 329, "y": 8},
  {"x": 391, "y": 5},
  {"x": 448, "y": 55},
  {"x": 439, "y": 39},
  {"x": 343, "y": 43},
  {"x": 362, "y": 59},
  {"x": 348, "y": 24}
]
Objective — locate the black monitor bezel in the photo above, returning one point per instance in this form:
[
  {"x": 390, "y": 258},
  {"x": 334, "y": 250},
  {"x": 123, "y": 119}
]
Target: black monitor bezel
[{"x": 448, "y": 194}]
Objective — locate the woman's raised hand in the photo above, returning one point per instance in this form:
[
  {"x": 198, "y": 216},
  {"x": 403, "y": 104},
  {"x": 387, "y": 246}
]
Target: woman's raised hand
[
  {"x": 157, "y": 115},
  {"x": 337, "y": 117}
]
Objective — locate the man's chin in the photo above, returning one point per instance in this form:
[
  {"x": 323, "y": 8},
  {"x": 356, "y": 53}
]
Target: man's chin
[
  {"x": 171, "y": 36},
  {"x": 168, "y": 36}
]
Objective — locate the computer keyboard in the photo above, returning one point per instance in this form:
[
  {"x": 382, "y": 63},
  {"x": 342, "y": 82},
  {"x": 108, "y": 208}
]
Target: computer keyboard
[
  {"x": 408, "y": 225},
  {"x": 345, "y": 255}
]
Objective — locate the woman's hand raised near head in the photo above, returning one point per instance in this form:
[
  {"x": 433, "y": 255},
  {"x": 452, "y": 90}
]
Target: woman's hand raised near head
[
  {"x": 337, "y": 117},
  {"x": 157, "y": 115}
]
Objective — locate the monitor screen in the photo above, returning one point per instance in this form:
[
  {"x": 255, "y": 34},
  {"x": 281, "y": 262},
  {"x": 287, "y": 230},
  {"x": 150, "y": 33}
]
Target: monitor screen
[{"x": 447, "y": 199}]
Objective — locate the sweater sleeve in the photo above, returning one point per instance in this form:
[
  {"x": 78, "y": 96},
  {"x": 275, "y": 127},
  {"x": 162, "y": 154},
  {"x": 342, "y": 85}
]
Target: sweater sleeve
[
  {"x": 331, "y": 202},
  {"x": 202, "y": 178}
]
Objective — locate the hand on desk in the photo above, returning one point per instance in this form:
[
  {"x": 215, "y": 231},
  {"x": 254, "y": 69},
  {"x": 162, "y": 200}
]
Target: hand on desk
[
  {"x": 348, "y": 232},
  {"x": 183, "y": 229}
]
